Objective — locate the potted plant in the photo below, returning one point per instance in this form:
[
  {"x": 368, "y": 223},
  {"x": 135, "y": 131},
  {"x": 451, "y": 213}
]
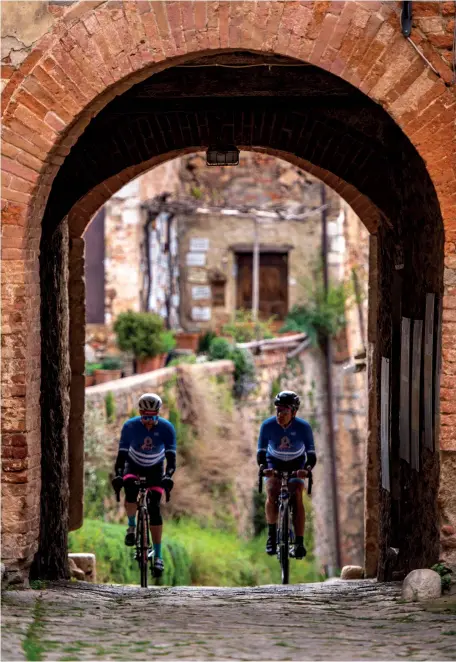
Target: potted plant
[
  {"x": 187, "y": 340},
  {"x": 145, "y": 336},
  {"x": 89, "y": 373},
  {"x": 109, "y": 370}
]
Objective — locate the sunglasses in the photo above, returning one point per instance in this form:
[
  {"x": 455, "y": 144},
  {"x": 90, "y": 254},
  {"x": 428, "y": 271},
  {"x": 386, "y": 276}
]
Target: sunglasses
[{"x": 149, "y": 415}]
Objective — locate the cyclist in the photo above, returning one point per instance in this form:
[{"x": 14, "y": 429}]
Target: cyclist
[
  {"x": 286, "y": 443},
  {"x": 145, "y": 442}
]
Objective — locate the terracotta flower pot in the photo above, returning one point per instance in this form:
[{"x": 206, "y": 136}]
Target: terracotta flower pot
[
  {"x": 102, "y": 376},
  {"x": 150, "y": 363},
  {"x": 89, "y": 380},
  {"x": 186, "y": 340}
]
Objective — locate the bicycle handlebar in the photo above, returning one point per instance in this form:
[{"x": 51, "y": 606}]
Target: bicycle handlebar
[
  {"x": 167, "y": 492},
  {"x": 278, "y": 473}
]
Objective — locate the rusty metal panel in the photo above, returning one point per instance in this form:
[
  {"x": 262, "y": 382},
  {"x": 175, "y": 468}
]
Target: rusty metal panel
[
  {"x": 415, "y": 394},
  {"x": 428, "y": 400},
  {"x": 438, "y": 367},
  {"x": 404, "y": 413},
  {"x": 385, "y": 424}
]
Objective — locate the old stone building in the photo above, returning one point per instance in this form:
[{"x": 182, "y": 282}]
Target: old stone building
[
  {"x": 95, "y": 93},
  {"x": 213, "y": 276}
]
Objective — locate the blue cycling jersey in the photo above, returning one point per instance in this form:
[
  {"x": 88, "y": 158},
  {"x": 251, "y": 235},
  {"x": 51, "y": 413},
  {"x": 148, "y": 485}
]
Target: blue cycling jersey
[
  {"x": 290, "y": 444},
  {"x": 147, "y": 447}
]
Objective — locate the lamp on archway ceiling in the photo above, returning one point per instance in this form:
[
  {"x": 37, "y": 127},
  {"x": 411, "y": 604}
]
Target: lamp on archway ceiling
[{"x": 222, "y": 155}]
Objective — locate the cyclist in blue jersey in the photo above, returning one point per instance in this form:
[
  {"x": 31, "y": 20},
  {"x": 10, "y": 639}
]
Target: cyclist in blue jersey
[
  {"x": 286, "y": 443},
  {"x": 146, "y": 442}
]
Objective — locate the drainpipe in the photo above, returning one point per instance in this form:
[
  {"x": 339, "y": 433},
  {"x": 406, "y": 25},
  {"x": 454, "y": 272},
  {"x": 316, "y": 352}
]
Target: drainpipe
[
  {"x": 256, "y": 270},
  {"x": 327, "y": 350}
]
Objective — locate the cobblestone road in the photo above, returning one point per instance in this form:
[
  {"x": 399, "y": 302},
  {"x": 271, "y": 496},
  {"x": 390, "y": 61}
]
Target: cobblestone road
[{"x": 330, "y": 621}]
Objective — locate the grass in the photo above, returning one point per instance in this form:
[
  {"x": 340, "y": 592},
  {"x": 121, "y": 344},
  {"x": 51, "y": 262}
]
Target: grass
[
  {"x": 32, "y": 645},
  {"x": 193, "y": 555}
]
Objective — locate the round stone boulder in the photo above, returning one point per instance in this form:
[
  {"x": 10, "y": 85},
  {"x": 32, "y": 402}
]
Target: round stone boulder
[
  {"x": 352, "y": 572},
  {"x": 421, "y": 585},
  {"x": 86, "y": 563}
]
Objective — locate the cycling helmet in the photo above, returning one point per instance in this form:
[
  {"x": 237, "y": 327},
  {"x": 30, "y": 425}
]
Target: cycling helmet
[
  {"x": 287, "y": 399},
  {"x": 149, "y": 402}
]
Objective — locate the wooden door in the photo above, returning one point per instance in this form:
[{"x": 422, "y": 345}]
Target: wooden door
[{"x": 273, "y": 295}]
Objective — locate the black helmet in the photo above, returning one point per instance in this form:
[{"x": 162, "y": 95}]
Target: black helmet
[{"x": 287, "y": 399}]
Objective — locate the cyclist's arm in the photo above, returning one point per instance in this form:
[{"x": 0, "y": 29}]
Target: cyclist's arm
[
  {"x": 310, "y": 448},
  {"x": 170, "y": 450},
  {"x": 262, "y": 445},
  {"x": 124, "y": 445}
]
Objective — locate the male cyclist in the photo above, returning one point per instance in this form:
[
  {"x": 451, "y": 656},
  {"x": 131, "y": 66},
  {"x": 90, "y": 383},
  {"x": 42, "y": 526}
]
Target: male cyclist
[
  {"x": 146, "y": 440},
  {"x": 286, "y": 443}
]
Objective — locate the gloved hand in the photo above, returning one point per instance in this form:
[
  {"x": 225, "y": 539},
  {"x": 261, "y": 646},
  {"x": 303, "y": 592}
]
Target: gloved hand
[
  {"x": 117, "y": 483},
  {"x": 167, "y": 483},
  {"x": 261, "y": 458}
]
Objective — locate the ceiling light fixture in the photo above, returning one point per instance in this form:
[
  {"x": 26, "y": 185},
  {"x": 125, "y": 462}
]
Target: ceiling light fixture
[{"x": 222, "y": 155}]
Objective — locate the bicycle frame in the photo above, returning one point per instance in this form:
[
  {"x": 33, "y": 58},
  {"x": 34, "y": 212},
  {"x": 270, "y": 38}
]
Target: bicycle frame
[
  {"x": 142, "y": 531},
  {"x": 142, "y": 542},
  {"x": 285, "y": 532}
]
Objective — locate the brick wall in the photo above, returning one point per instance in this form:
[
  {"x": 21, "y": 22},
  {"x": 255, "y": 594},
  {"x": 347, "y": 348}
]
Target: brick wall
[{"x": 72, "y": 69}]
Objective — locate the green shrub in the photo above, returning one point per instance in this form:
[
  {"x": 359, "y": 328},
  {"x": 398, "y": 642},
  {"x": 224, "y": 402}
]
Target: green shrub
[
  {"x": 168, "y": 341},
  {"x": 445, "y": 575},
  {"x": 183, "y": 358},
  {"x": 91, "y": 367},
  {"x": 143, "y": 334},
  {"x": 244, "y": 366},
  {"x": 110, "y": 405},
  {"x": 244, "y": 371},
  {"x": 244, "y": 329},
  {"x": 111, "y": 363},
  {"x": 323, "y": 314},
  {"x": 192, "y": 555},
  {"x": 205, "y": 341},
  {"x": 133, "y": 413},
  {"x": 219, "y": 349}
]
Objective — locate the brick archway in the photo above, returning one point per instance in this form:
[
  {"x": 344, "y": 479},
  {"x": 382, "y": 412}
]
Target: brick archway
[{"x": 49, "y": 102}]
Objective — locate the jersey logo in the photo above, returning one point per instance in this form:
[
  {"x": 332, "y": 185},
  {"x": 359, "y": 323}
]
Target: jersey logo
[
  {"x": 284, "y": 443},
  {"x": 148, "y": 444}
]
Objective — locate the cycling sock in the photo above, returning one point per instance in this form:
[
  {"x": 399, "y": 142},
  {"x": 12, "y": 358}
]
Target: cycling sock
[
  {"x": 158, "y": 550},
  {"x": 272, "y": 529},
  {"x": 300, "y": 540},
  {"x": 131, "y": 520}
]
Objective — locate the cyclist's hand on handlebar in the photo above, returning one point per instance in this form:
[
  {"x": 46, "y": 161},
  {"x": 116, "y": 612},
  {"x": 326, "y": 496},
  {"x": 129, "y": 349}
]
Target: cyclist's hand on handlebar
[
  {"x": 268, "y": 472},
  {"x": 167, "y": 483},
  {"x": 302, "y": 473},
  {"x": 117, "y": 483}
]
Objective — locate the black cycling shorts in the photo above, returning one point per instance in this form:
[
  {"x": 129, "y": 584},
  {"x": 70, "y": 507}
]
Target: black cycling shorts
[{"x": 153, "y": 476}]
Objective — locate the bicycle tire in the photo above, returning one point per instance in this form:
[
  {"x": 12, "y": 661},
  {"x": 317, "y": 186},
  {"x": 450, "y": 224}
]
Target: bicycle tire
[
  {"x": 284, "y": 543},
  {"x": 143, "y": 547}
]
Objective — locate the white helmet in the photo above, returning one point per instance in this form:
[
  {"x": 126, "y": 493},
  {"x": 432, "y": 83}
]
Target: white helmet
[{"x": 149, "y": 402}]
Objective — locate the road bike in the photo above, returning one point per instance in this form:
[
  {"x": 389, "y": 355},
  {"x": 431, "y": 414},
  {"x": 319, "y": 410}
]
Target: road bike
[
  {"x": 144, "y": 552},
  {"x": 285, "y": 531}
]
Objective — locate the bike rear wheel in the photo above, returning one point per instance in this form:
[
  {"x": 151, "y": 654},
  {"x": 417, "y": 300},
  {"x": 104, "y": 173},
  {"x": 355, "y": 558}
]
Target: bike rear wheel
[
  {"x": 143, "y": 545},
  {"x": 284, "y": 543}
]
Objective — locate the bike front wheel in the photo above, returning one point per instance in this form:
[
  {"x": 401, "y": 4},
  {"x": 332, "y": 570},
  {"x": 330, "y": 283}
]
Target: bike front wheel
[
  {"x": 284, "y": 542},
  {"x": 142, "y": 545}
]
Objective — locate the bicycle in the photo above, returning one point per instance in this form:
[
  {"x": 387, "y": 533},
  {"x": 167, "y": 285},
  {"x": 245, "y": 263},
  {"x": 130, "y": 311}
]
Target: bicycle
[
  {"x": 144, "y": 551},
  {"x": 285, "y": 532}
]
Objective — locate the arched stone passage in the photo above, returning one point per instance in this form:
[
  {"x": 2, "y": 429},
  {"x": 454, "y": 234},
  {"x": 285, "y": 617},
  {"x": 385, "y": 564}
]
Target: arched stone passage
[
  {"x": 49, "y": 103},
  {"x": 365, "y": 149}
]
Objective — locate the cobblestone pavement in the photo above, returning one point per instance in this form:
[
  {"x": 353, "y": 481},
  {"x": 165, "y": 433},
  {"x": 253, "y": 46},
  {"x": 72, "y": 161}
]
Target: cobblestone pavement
[{"x": 356, "y": 620}]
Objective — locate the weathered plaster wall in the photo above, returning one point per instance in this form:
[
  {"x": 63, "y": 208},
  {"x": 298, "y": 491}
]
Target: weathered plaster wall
[{"x": 23, "y": 23}]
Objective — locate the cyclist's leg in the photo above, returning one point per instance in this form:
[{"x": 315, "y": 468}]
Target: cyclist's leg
[
  {"x": 131, "y": 494},
  {"x": 299, "y": 516},
  {"x": 272, "y": 492},
  {"x": 154, "y": 495}
]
